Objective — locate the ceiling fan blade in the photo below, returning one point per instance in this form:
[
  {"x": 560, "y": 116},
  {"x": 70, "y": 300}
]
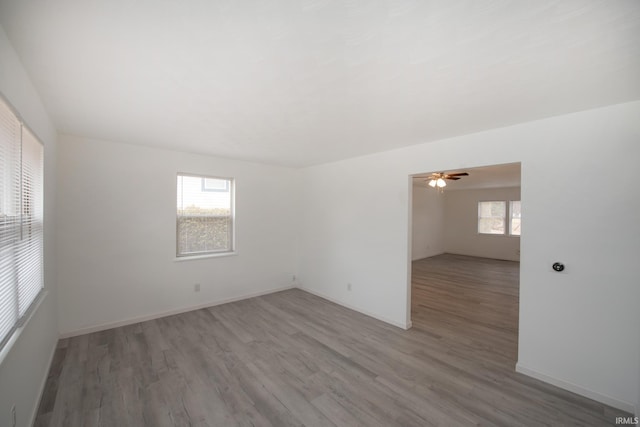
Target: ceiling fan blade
[
  {"x": 453, "y": 178},
  {"x": 458, "y": 174}
]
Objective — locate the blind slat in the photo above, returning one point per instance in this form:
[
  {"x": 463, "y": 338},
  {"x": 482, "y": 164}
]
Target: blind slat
[{"x": 21, "y": 220}]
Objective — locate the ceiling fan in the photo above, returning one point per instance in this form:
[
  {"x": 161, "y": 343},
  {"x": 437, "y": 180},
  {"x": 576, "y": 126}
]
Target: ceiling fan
[{"x": 437, "y": 179}]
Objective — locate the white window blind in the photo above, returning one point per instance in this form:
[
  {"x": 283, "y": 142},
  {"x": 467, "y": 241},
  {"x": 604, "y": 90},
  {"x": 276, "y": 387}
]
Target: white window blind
[
  {"x": 29, "y": 250},
  {"x": 205, "y": 217},
  {"x": 21, "y": 220}
]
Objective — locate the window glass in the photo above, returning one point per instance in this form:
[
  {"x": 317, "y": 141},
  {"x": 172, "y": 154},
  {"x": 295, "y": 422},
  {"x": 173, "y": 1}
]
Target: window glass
[
  {"x": 491, "y": 217},
  {"x": 204, "y": 215},
  {"x": 515, "y": 221}
]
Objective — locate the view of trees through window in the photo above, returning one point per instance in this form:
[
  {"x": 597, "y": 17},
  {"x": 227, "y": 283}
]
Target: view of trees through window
[
  {"x": 204, "y": 215},
  {"x": 492, "y": 217}
]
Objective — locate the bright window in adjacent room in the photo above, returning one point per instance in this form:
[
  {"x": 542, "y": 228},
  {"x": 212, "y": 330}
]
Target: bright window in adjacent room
[
  {"x": 21, "y": 221},
  {"x": 515, "y": 218},
  {"x": 205, "y": 217},
  {"x": 491, "y": 217}
]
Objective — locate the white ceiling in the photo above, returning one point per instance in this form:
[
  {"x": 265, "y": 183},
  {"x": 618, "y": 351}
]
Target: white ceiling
[
  {"x": 303, "y": 82},
  {"x": 496, "y": 176}
]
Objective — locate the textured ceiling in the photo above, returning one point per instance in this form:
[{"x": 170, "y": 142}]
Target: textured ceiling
[{"x": 306, "y": 82}]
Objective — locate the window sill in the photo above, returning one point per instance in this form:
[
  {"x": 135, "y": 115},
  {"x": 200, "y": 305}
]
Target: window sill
[
  {"x": 195, "y": 257},
  {"x": 15, "y": 335}
]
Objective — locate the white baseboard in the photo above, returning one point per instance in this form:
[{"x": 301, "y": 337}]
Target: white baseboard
[
  {"x": 400, "y": 325},
  {"x": 43, "y": 383},
  {"x": 419, "y": 257},
  {"x": 602, "y": 398},
  {"x": 134, "y": 320}
]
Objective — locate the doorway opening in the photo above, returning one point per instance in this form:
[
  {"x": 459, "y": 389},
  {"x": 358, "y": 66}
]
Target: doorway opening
[{"x": 465, "y": 270}]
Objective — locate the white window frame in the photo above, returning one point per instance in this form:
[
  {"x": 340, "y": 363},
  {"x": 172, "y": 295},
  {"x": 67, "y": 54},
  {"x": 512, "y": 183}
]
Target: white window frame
[{"x": 231, "y": 249}]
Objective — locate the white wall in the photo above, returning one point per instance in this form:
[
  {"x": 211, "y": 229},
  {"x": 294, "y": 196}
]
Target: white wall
[
  {"x": 117, "y": 234},
  {"x": 25, "y": 362},
  {"x": 461, "y": 225},
  {"x": 427, "y": 217},
  {"x": 577, "y": 329}
]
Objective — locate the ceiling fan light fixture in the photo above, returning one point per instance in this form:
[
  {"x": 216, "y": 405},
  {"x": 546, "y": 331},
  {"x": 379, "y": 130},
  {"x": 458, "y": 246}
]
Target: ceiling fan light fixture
[{"x": 437, "y": 180}]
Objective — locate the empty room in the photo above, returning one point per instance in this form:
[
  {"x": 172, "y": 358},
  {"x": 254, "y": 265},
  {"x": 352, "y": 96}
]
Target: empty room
[
  {"x": 234, "y": 213},
  {"x": 466, "y": 228}
]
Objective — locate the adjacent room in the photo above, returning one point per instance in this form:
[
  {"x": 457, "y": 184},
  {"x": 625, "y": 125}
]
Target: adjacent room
[
  {"x": 465, "y": 271},
  {"x": 232, "y": 213}
]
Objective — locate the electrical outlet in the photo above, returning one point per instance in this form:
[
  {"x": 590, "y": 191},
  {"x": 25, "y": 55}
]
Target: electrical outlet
[
  {"x": 196, "y": 287},
  {"x": 349, "y": 287},
  {"x": 13, "y": 416}
]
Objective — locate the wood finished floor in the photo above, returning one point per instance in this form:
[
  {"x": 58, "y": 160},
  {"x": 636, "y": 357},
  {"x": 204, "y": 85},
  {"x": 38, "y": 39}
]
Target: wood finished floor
[{"x": 291, "y": 358}]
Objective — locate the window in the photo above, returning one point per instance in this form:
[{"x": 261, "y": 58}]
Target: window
[
  {"x": 205, "y": 218},
  {"x": 492, "y": 217},
  {"x": 514, "y": 218},
  {"x": 21, "y": 221}
]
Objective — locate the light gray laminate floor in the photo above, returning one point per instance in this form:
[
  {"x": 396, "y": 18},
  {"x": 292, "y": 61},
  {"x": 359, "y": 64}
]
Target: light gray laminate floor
[{"x": 291, "y": 358}]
